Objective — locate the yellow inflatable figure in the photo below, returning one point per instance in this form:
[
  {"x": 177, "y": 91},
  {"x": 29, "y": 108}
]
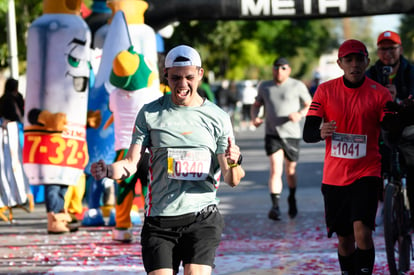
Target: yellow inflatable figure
[{"x": 74, "y": 197}]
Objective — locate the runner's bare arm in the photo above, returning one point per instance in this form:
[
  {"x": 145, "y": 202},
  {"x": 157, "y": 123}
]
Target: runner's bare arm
[
  {"x": 297, "y": 116},
  {"x": 121, "y": 169},
  {"x": 232, "y": 172},
  {"x": 254, "y": 112}
]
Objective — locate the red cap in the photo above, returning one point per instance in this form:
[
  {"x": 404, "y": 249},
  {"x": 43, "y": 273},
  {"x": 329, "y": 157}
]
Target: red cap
[
  {"x": 389, "y": 35},
  {"x": 352, "y": 46}
]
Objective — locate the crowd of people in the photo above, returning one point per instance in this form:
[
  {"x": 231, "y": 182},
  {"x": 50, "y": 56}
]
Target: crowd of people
[{"x": 346, "y": 110}]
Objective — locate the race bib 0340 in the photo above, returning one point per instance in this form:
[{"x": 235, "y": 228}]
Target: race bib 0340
[{"x": 188, "y": 163}]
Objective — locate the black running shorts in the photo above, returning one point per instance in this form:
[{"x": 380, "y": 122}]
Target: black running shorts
[
  {"x": 346, "y": 204},
  {"x": 290, "y": 146},
  {"x": 190, "y": 238}
]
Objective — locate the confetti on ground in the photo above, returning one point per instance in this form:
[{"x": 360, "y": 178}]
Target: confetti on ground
[{"x": 251, "y": 244}]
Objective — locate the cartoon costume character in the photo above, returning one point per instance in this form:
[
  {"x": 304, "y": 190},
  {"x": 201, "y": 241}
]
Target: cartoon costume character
[
  {"x": 101, "y": 139},
  {"x": 132, "y": 75},
  {"x": 143, "y": 38},
  {"x": 55, "y": 151}
]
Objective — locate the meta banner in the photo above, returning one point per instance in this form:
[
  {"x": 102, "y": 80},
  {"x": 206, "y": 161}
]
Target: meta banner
[{"x": 163, "y": 12}]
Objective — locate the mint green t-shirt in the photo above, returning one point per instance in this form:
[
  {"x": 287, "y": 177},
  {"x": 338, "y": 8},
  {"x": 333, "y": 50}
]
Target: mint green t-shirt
[{"x": 183, "y": 144}]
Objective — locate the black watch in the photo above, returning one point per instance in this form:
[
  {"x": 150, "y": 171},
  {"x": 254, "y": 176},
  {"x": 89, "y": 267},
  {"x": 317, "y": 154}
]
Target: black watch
[{"x": 239, "y": 161}]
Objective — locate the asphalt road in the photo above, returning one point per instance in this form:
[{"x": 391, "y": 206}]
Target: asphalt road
[
  {"x": 251, "y": 243},
  {"x": 253, "y": 190}
]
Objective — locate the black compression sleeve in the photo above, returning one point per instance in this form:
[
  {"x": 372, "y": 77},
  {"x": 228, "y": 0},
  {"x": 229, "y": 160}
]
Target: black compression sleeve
[{"x": 311, "y": 130}]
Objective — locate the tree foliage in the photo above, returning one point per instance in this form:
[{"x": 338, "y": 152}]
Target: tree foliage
[
  {"x": 26, "y": 12},
  {"x": 246, "y": 49},
  {"x": 231, "y": 49},
  {"x": 407, "y": 35}
]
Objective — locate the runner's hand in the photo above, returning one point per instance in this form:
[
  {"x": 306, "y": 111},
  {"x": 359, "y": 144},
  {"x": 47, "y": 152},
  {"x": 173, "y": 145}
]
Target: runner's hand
[
  {"x": 99, "y": 169},
  {"x": 295, "y": 117},
  {"x": 327, "y": 129},
  {"x": 232, "y": 153},
  {"x": 257, "y": 121}
]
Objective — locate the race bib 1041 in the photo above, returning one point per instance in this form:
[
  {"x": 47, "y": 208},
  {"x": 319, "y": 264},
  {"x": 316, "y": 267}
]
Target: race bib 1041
[
  {"x": 348, "y": 146},
  {"x": 188, "y": 163}
]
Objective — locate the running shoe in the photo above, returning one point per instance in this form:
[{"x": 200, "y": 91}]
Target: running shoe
[
  {"x": 274, "y": 213},
  {"x": 293, "y": 210},
  {"x": 122, "y": 234}
]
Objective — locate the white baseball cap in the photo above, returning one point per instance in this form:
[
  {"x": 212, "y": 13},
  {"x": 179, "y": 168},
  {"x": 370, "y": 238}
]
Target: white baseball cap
[{"x": 181, "y": 56}]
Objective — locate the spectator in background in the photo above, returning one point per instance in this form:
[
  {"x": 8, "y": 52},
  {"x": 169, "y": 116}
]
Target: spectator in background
[
  {"x": 392, "y": 69},
  {"x": 12, "y": 109},
  {"x": 396, "y": 73},
  {"x": 204, "y": 90},
  {"x": 226, "y": 96},
  {"x": 12, "y": 105},
  {"x": 315, "y": 83},
  {"x": 12, "y": 102},
  {"x": 221, "y": 94},
  {"x": 234, "y": 105},
  {"x": 247, "y": 97}
]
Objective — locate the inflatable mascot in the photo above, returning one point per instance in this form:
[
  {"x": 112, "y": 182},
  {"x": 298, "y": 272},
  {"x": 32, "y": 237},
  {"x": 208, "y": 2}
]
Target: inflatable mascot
[
  {"x": 132, "y": 76},
  {"x": 55, "y": 151},
  {"x": 143, "y": 39}
]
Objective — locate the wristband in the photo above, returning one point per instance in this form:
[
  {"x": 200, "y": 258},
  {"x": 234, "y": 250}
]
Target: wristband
[{"x": 239, "y": 162}]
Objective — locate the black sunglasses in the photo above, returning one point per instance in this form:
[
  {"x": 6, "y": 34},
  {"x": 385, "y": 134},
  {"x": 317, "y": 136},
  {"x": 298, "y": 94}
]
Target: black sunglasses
[{"x": 283, "y": 67}]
